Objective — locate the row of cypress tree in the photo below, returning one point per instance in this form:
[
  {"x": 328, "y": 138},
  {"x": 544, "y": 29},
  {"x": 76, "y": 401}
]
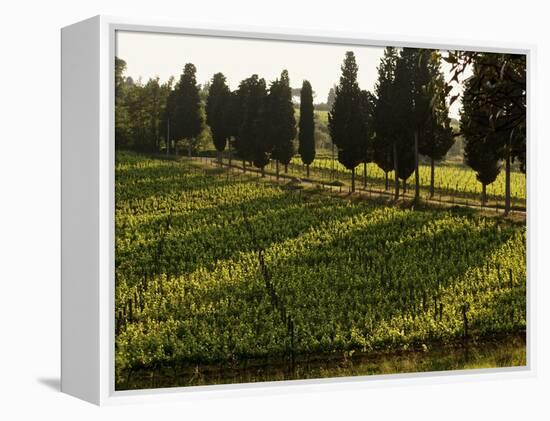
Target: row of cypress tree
[
  {"x": 406, "y": 116},
  {"x": 258, "y": 122}
]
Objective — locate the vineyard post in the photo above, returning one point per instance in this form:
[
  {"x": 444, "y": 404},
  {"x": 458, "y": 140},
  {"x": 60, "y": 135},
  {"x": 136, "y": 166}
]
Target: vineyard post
[{"x": 465, "y": 319}]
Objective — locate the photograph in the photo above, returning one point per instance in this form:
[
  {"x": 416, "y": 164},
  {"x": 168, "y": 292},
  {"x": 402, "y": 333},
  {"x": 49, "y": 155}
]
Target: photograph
[{"x": 290, "y": 210}]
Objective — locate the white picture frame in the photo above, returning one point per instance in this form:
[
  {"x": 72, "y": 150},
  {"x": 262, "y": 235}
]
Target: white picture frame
[{"x": 88, "y": 51}]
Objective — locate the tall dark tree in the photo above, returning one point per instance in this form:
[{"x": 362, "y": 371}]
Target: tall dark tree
[
  {"x": 168, "y": 120},
  {"x": 481, "y": 148},
  {"x": 306, "y": 138},
  {"x": 188, "y": 116},
  {"x": 436, "y": 134},
  {"x": 346, "y": 125},
  {"x": 279, "y": 124},
  {"x": 331, "y": 97},
  {"x": 499, "y": 86},
  {"x": 404, "y": 113},
  {"x": 250, "y": 141},
  {"x": 415, "y": 91},
  {"x": 384, "y": 118},
  {"x": 233, "y": 118},
  {"x": 217, "y": 110},
  {"x": 367, "y": 105}
]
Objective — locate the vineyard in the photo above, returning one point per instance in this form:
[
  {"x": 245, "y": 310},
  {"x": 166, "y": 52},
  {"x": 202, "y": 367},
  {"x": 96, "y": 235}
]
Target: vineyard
[
  {"x": 223, "y": 268},
  {"x": 453, "y": 182}
]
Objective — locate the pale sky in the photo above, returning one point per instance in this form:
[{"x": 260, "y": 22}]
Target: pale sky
[{"x": 149, "y": 55}]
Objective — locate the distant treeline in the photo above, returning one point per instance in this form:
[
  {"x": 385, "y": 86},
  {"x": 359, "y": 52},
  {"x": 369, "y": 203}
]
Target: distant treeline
[{"x": 407, "y": 115}]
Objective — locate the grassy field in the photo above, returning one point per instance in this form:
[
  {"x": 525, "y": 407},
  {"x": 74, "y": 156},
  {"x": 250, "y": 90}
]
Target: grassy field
[{"x": 221, "y": 269}]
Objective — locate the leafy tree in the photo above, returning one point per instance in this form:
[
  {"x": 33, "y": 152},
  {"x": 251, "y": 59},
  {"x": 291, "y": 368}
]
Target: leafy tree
[
  {"x": 233, "y": 120},
  {"x": 168, "y": 119},
  {"x": 331, "y": 97},
  {"x": 499, "y": 86},
  {"x": 217, "y": 110},
  {"x": 139, "y": 110},
  {"x": 187, "y": 117},
  {"x": 416, "y": 70},
  {"x": 480, "y": 147},
  {"x": 250, "y": 141},
  {"x": 123, "y": 136},
  {"x": 278, "y": 123},
  {"x": 306, "y": 134},
  {"x": 404, "y": 114},
  {"x": 346, "y": 125},
  {"x": 384, "y": 119},
  {"x": 436, "y": 135},
  {"x": 367, "y": 105}
]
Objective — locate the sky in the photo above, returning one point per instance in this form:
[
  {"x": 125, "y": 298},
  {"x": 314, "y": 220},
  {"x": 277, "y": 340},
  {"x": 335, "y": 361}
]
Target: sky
[{"x": 149, "y": 55}]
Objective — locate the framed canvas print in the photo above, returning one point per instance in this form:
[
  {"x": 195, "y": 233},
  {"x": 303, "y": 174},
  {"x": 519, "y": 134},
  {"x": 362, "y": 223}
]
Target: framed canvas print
[{"x": 246, "y": 209}]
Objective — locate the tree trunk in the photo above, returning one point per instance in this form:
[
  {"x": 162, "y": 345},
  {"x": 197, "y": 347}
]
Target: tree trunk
[
  {"x": 416, "y": 171},
  {"x": 432, "y": 178},
  {"x": 507, "y": 180},
  {"x": 219, "y": 158},
  {"x": 387, "y": 180},
  {"x": 483, "y": 194},
  {"x": 365, "y": 175},
  {"x": 277, "y": 169},
  {"x": 353, "y": 180},
  {"x": 263, "y": 171},
  {"x": 332, "y": 164},
  {"x": 395, "y": 169},
  {"x": 229, "y": 150},
  {"x": 286, "y": 168},
  {"x": 168, "y": 137},
  {"x": 404, "y": 186},
  {"x": 189, "y": 149},
  {"x": 244, "y": 165},
  {"x": 307, "y": 170}
]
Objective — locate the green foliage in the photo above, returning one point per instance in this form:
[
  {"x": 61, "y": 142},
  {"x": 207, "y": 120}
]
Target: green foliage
[
  {"x": 278, "y": 120},
  {"x": 384, "y": 117},
  {"x": 499, "y": 86},
  {"x": 217, "y": 111},
  {"x": 186, "y": 115},
  {"x": 436, "y": 135},
  {"x": 139, "y": 111},
  {"x": 481, "y": 145},
  {"x": 306, "y": 138},
  {"x": 250, "y": 141},
  {"x": 367, "y": 106},
  {"x": 347, "y": 127}
]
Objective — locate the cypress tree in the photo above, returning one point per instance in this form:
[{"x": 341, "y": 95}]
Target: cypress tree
[
  {"x": 499, "y": 87},
  {"x": 403, "y": 110},
  {"x": 188, "y": 117},
  {"x": 346, "y": 126},
  {"x": 481, "y": 148},
  {"x": 306, "y": 137},
  {"x": 233, "y": 120},
  {"x": 250, "y": 142},
  {"x": 367, "y": 111},
  {"x": 384, "y": 118},
  {"x": 217, "y": 108},
  {"x": 279, "y": 123},
  {"x": 436, "y": 136}
]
